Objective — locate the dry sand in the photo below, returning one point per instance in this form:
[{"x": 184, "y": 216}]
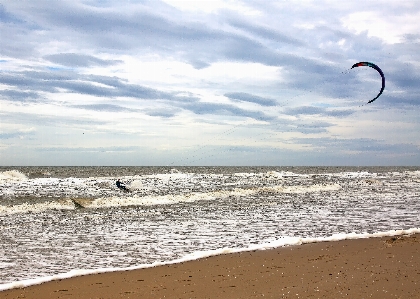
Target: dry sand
[{"x": 383, "y": 268}]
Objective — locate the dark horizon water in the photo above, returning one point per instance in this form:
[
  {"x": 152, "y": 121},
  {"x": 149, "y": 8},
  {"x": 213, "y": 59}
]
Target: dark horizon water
[{"x": 86, "y": 171}]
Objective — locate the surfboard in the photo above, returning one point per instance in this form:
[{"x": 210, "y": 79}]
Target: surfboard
[
  {"x": 81, "y": 203},
  {"x": 77, "y": 204}
]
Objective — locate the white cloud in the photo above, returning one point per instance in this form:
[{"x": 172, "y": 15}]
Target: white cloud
[
  {"x": 389, "y": 28},
  {"x": 212, "y": 6}
]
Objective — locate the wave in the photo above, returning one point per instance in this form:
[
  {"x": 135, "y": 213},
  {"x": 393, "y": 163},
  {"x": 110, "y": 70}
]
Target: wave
[
  {"x": 125, "y": 201},
  {"x": 37, "y": 207},
  {"x": 281, "y": 242},
  {"x": 192, "y": 197},
  {"x": 173, "y": 187},
  {"x": 12, "y": 175}
]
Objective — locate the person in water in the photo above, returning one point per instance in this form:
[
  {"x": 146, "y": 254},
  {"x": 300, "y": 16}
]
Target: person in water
[{"x": 121, "y": 185}]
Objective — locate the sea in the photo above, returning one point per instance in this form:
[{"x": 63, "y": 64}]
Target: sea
[{"x": 59, "y": 222}]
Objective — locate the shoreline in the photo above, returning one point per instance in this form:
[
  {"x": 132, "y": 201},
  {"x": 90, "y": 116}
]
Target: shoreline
[{"x": 378, "y": 267}]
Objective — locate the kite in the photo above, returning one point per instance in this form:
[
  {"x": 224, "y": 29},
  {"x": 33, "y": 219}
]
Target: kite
[{"x": 372, "y": 65}]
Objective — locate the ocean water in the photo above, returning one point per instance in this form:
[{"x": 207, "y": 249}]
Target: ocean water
[{"x": 58, "y": 222}]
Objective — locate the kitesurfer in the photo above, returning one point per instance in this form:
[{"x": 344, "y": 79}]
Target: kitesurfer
[{"x": 121, "y": 185}]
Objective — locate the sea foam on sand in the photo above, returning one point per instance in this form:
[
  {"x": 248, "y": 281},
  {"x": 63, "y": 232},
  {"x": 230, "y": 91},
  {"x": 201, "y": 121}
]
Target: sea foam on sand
[{"x": 285, "y": 241}]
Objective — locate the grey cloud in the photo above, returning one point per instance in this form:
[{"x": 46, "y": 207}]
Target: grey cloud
[
  {"x": 18, "y": 134},
  {"x": 85, "y": 88},
  {"x": 339, "y": 113},
  {"x": 403, "y": 99},
  {"x": 103, "y": 107},
  {"x": 49, "y": 120},
  {"x": 9, "y": 135},
  {"x": 311, "y": 110},
  {"x": 404, "y": 76},
  {"x": 246, "y": 97},
  {"x": 137, "y": 27},
  {"x": 266, "y": 33},
  {"x": 7, "y": 17},
  {"x": 309, "y": 130},
  {"x": 137, "y": 91},
  {"x": 181, "y": 97},
  {"x": 412, "y": 38},
  {"x": 303, "y": 73},
  {"x": 358, "y": 145},
  {"x": 142, "y": 29},
  {"x": 162, "y": 112},
  {"x": 298, "y": 125},
  {"x": 79, "y": 60},
  {"x": 106, "y": 80},
  {"x": 322, "y": 79},
  {"x": 165, "y": 112},
  {"x": 223, "y": 109},
  {"x": 313, "y": 127},
  {"x": 332, "y": 33},
  {"x": 198, "y": 64},
  {"x": 90, "y": 149},
  {"x": 16, "y": 80},
  {"x": 34, "y": 82},
  {"x": 20, "y": 96},
  {"x": 242, "y": 48}
]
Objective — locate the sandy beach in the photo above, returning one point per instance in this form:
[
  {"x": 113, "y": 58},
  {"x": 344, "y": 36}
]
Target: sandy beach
[{"x": 383, "y": 268}]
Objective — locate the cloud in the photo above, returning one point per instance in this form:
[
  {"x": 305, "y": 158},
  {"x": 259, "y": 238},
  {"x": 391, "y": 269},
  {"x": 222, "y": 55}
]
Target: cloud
[
  {"x": 62, "y": 123},
  {"x": 359, "y": 145},
  {"x": 9, "y": 135},
  {"x": 19, "y": 96},
  {"x": 21, "y": 134},
  {"x": 162, "y": 112},
  {"x": 223, "y": 109},
  {"x": 246, "y": 97},
  {"x": 90, "y": 149},
  {"x": 315, "y": 127},
  {"x": 282, "y": 68},
  {"x": 312, "y": 110},
  {"x": 72, "y": 82},
  {"x": 104, "y": 108},
  {"x": 5, "y": 17},
  {"x": 262, "y": 32},
  {"x": 78, "y": 60}
]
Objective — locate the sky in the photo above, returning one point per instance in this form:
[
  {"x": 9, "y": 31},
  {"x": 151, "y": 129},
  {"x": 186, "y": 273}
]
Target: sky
[{"x": 240, "y": 83}]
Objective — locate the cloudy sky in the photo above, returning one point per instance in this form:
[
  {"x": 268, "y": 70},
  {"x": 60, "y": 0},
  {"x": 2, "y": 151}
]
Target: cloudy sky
[{"x": 257, "y": 82}]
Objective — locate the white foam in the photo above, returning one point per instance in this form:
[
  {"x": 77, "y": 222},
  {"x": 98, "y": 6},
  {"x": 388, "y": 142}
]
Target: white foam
[
  {"x": 281, "y": 242},
  {"x": 301, "y": 189},
  {"x": 12, "y": 175},
  {"x": 192, "y": 197},
  {"x": 37, "y": 208},
  {"x": 171, "y": 176},
  {"x": 415, "y": 173},
  {"x": 135, "y": 185},
  {"x": 81, "y": 189}
]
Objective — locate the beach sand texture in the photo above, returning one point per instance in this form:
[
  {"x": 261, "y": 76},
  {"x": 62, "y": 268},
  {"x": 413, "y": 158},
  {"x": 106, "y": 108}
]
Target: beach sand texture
[{"x": 387, "y": 267}]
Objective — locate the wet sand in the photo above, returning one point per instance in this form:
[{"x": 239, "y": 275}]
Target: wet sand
[{"x": 382, "y": 268}]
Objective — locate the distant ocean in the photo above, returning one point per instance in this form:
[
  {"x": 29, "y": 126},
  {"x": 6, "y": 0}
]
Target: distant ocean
[{"x": 58, "y": 222}]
